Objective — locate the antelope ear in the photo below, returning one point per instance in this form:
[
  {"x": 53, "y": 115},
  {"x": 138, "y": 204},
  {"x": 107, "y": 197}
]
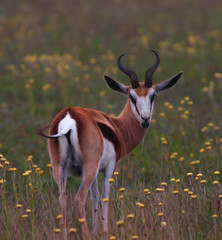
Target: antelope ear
[
  {"x": 116, "y": 86},
  {"x": 168, "y": 83}
]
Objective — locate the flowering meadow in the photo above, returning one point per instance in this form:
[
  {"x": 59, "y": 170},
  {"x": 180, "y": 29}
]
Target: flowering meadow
[{"x": 54, "y": 54}]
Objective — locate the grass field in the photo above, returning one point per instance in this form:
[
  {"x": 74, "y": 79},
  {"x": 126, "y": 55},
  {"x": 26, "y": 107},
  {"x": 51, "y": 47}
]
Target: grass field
[{"x": 53, "y": 54}]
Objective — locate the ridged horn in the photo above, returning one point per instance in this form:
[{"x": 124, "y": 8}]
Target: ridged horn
[
  {"x": 130, "y": 73},
  {"x": 151, "y": 71}
]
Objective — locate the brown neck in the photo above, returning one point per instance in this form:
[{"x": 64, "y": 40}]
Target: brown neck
[{"x": 129, "y": 128}]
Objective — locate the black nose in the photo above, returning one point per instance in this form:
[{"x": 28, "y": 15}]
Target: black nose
[{"x": 145, "y": 124}]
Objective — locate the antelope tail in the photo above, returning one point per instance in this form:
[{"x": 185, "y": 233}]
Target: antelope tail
[{"x": 60, "y": 134}]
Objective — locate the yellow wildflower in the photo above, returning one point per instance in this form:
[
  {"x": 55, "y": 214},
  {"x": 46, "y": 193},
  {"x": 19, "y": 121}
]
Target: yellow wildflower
[
  {"x": 12, "y": 169},
  {"x": 122, "y": 189},
  {"x": 203, "y": 181},
  {"x": 210, "y": 124},
  {"x": 56, "y": 230},
  {"x": 159, "y": 189},
  {"x": 30, "y": 158},
  {"x": 130, "y": 215},
  {"x": 193, "y": 196},
  {"x": 119, "y": 223},
  {"x": 175, "y": 192},
  {"x": 182, "y": 102},
  {"x": 218, "y": 75},
  {"x": 163, "y": 224},
  {"x": 25, "y": 174},
  {"x": 204, "y": 129},
  {"x": 216, "y": 182},
  {"x": 2, "y": 181},
  {"x": 202, "y": 150},
  {"x": 121, "y": 196},
  {"x": 194, "y": 162},
  {"x": 81, "y": 220},
  {"x": 187, "y": 112},
  {"x": 170, "y": 107},
  {"x": 72, "y": 230},
  {"x": 189, "y": 174},
  {"x": 92, "y": 60},
  {"x": 142, "y": 205},
  {"x": 38, "y": 169},
  {"x": 164, "y": 184},
  {"x": 135, "y": 237},
  {"x": 46, "y": 87}
]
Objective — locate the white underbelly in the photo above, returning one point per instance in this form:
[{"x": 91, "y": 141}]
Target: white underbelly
[{"x": 108, "y": 155}]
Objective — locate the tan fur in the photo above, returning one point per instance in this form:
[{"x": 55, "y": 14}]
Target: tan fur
[{"x": 142, "y": 90}]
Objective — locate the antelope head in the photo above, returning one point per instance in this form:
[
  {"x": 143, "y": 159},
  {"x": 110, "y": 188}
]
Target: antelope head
[{"x": 142, "y": 94}]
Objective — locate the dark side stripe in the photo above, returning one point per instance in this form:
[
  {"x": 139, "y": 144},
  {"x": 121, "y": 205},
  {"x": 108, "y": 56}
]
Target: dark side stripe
[{"x": 110, "y": 135}]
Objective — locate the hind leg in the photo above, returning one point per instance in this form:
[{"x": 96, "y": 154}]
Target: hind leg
[
  {"x": 61, "y": 178},
  {"x": 89, "y": 174}
]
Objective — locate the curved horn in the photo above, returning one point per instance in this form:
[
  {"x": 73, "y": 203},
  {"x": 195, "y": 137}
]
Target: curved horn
[
  {"x": 130, "y": 73},
  {"x": 151, "y": 71}
]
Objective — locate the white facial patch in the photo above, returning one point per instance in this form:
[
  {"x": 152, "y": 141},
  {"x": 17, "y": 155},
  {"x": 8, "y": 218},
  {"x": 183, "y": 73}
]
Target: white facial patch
[{"x": 141, "y": 105}]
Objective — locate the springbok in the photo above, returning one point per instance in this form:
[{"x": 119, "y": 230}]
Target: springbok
[{"x": 83, "y": 142}]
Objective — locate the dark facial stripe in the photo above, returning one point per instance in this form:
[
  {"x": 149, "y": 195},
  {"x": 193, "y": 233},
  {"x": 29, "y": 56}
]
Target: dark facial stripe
[
  {"x": 133, "y": 100},
  {"x": 152, "y": 98}
]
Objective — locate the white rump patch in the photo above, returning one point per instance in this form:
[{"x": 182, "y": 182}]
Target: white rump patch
[{"x": 65, "y": 125}]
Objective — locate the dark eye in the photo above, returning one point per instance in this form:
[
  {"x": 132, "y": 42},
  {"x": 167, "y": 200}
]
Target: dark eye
[
  {"x": 152, "y": 98},
  {"x": 133, "y": 100}
]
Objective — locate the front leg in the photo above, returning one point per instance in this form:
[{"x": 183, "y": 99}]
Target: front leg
[{"x": 105, "y": 195}]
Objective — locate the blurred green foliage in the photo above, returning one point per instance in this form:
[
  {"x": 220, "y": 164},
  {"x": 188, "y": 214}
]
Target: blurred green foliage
[{"x": 53, "y": 54}]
